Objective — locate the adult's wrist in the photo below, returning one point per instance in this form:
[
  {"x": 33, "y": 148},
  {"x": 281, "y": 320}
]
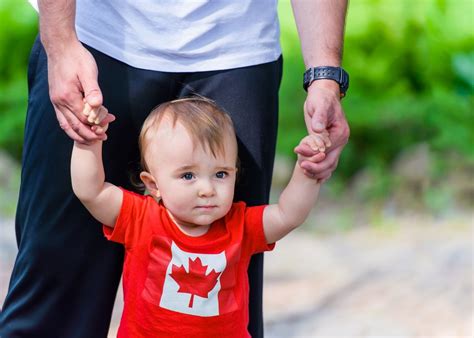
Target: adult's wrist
[
  {"x": 327, "y": 85},
  {"x": 56, "y": 44}
]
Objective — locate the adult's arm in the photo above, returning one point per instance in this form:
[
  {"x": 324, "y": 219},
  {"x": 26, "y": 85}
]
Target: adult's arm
[
  {"x": 72, "y": 70},
  {"x": 320, "y": 26}
]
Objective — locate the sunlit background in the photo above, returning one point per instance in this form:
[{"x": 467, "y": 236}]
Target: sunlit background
[{"x": 388, "y": 250}]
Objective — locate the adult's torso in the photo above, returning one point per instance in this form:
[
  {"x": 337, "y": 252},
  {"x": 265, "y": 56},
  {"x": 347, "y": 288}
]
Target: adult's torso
[{"x": 182, "y": 35}]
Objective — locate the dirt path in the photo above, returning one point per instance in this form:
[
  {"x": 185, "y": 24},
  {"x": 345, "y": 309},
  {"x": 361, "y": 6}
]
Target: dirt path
[{"x": 412, "y": 279}]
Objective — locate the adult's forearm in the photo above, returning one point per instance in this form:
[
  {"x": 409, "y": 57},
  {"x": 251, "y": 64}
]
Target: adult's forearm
[
  {"x": 57, "y": 24},
  {"x": 320, "y": 26}
]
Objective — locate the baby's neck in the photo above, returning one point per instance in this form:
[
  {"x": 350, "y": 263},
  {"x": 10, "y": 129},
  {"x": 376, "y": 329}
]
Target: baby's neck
[{"x": 193, "y": 231}]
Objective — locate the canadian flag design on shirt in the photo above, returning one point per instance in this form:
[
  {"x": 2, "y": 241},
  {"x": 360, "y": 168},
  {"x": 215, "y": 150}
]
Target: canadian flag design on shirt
[
  {"x": 197, "y": 284},
  {"x": 192, "y": 282}
]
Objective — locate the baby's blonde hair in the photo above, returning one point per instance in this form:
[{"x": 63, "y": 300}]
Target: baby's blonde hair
[{"x": 203, "y": 119}]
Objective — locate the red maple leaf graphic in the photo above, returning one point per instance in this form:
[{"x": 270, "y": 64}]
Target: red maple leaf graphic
[{"x": 195, "y": 282}]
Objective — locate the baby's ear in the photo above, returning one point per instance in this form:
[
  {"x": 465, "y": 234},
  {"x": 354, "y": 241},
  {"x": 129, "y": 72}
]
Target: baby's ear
[{"x": 150, "y": 184}]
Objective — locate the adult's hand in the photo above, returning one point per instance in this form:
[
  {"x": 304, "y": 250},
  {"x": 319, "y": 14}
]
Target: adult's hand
[
  {"x": 323, "y": 111},
  {"x": 72, "y": 77}
]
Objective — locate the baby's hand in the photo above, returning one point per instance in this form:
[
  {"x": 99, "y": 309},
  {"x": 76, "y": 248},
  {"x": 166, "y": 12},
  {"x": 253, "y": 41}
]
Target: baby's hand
[
  {"x": 317, "y": 142},
  {"x": 94, "y": 115},
  {"x": 312, "y": 148},
  {"x": 100, "y": 118}
]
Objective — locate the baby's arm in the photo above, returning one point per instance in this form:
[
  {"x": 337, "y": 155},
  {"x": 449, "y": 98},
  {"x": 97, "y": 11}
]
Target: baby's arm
[
  {"x": 297, "y": 198},
  {"x": 102, "y": 199}
]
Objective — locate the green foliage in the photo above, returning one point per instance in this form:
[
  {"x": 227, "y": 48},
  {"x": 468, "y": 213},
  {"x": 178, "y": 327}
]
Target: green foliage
[
  {"x": 18, "y": 27},
  {"x": 412, "y": 81}
]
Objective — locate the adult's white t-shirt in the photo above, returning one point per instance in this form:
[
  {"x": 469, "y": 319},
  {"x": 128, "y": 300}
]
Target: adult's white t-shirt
[{"x": 181, "y": 35}]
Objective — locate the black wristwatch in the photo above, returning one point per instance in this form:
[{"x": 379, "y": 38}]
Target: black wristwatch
[{"x": 326, "y": 72}]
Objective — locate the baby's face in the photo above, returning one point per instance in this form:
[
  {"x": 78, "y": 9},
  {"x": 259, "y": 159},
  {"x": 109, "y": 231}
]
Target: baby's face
[{"x": 196, "y": 187}]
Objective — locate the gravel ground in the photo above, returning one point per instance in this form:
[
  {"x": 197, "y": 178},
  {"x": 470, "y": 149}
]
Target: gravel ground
[{"x": 411, "y": 279}]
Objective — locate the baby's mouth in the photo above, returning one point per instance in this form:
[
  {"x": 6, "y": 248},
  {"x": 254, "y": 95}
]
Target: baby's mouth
[{"x": 206, "y": 207}]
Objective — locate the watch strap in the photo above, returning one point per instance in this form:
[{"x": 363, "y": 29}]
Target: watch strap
[{"x": 337, "y": 74}]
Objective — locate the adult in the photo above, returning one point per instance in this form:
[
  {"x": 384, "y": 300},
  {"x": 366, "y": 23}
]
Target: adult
[{"x": 131, "y": 56}]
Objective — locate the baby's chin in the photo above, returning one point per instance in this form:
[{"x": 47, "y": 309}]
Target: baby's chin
[
  {"x": 204, "y": 216},
  {"x": 205, "y": 220},
  {"x": 197, "y": 220}
]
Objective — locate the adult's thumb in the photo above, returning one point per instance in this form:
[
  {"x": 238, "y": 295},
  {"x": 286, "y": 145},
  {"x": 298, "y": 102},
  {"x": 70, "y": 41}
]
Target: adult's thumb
[
  {"x": 92, "y": 93},
  {"x": 319, "y": 121}
]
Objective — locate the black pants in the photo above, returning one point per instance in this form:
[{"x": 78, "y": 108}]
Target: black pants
[{"x": 66, "y": 273}]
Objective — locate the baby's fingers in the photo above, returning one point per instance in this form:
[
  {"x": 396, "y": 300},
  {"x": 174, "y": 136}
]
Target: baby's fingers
[
  {"x": 102, "y": 128},
  {"x": 101, "y": 114},
  {"x": 325, "y": 137},
  {"x": 304, "y": 149},
  {"x": 87, "y": 109},
  {"x": 97, "y": 115},
  {"x": 319, "y": 142},
  {"x": 108, "y": 119},
  {"x": 91, "y": 117},
  {"x": 315, "y": 142}
]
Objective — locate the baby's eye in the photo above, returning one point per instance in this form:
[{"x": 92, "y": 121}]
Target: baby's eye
[
  {"x": 187, "y": 176},
  {"x": 221, "y": 174}
]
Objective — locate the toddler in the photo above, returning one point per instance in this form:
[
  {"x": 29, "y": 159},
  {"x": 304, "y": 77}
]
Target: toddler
[{"x": 187, "y": 244}]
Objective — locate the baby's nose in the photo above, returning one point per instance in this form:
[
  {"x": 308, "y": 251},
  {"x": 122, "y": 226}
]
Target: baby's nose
[{"x": 206, "y": 189}]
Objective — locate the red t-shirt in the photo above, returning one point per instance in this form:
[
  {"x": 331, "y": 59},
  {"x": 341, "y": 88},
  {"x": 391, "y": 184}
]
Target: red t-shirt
[{"x": 176, "y": 285}]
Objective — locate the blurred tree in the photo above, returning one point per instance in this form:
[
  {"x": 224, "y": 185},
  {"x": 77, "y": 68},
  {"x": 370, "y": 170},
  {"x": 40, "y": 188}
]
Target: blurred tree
[{"x": 18, "y": 27}]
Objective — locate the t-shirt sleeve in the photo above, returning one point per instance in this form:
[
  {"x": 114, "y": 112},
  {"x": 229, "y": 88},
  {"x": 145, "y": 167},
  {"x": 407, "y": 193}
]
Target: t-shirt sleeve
[
  {"x": 128, "y": 227},
  {"x": 253, "y": 222}
]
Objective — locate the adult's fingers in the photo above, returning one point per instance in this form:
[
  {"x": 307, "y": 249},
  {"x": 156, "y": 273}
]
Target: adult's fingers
[
  {"x": 324, "y": 168},
  {"x": 339, "y": 131},
  {"x": 90, "y": 86},
  {"x": 319, "y": 121},
  {"x": 94, "y": 97},
  {"x": 316, "y": 116},
  {"x": 319, "y": 108},
  {"x": 100, "y": 129},
  {"x": 323, "y": 175},
  {"x": 64, "y": 124},
  {"x": 68, "y": 101},
  {"x": 73, "y": 127}
]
